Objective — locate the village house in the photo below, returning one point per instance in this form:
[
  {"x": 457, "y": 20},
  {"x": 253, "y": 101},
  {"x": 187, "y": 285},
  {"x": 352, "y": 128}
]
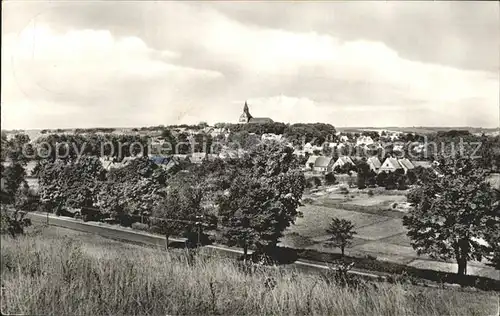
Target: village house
[
  {"x": 406, "y": 164},
  {"x": 197, "y": 158},
  {"x": 344, "y": 138},
  {"x": 423, "y": 163},
  {"x": 321, "y": 163},
  {"x": 390, "y": 165},
  {"x": 342, "y": 161},
  {"x": 180, "y": 156},
  {"x": 308, "y": 148},
  {"x": 364, "y": 140},
  {"x": 228, "y": 154},
  {"x": 374, "y": 163},
  {"x": 270, "y": 136},
  {"x": 310, "y": 162}
]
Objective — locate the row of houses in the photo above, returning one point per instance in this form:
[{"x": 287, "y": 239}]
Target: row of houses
[{"x": 329, "y": 164}]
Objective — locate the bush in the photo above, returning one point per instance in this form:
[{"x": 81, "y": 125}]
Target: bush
[
  {"x": 344, "y": 190},
  {"x": 371, "y": 264},
  {"x": 316, "y": 181},
  {"x": 140, "y": 226},
  {"x": 330, "y": 178},
  {"x": 370, "y": 193},
  {"x": 307, "y": 200}
]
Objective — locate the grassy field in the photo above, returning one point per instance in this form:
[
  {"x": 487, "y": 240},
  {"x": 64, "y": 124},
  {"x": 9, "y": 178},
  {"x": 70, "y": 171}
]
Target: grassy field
[
  {"x": 378, "y": 225},
  {"x": 60, "y": 272}
]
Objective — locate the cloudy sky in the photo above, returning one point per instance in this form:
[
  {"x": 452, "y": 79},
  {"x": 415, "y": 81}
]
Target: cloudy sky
[{"x": 123, "y": 64}]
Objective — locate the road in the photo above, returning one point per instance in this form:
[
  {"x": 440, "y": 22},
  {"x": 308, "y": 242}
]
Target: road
[{"x": 143, "y": 238}]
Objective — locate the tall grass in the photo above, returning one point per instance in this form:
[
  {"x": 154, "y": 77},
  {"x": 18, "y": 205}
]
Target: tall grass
[{"x": 49, "y": 275}]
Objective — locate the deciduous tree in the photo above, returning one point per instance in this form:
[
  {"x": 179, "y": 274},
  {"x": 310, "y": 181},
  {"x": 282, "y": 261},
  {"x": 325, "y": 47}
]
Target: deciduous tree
[
  {"x": 342, "y": 232},
  {"x": 452, "y": 212},
  {"x": 263, "y": 198}
]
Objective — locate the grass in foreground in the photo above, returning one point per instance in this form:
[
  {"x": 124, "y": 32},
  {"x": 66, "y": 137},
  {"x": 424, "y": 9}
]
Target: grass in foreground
[{"x": 51, "y": 274}]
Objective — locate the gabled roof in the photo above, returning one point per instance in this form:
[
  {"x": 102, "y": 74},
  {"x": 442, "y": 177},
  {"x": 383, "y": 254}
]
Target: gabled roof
[
  {"x": 391, "y": 163},
  {"x": 180, "y": 156},
  {"x": 423, "y": 164},
  {"x": 375, "y": 162},
  {"x": 322, "y": 162},
  {"x": 159, "y": 160},
  {"x": 311, "y": 159},
  {"x": 405, "y": 163},
  {"x": 344, "y": 159}
]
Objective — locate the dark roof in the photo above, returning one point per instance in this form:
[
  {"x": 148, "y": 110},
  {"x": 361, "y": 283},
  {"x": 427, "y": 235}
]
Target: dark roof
[
  {"x": 159, "y": 160},
  {"x": 260, "y": 120}
]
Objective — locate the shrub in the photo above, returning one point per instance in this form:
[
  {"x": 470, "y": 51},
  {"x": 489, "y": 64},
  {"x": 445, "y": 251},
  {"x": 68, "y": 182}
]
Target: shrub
[
  {"x": 316, "y": 181},
  {"x": 344, "y": 190},
  {"x": 307, "y": 200},
  {"x": 140, "y": 226},
  {"x": 370, "y": 193},
  {"x": 330, "y": 178}
]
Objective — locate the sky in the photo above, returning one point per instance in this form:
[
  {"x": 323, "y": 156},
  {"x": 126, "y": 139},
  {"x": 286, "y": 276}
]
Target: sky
[{"x": 129, "y": 64}]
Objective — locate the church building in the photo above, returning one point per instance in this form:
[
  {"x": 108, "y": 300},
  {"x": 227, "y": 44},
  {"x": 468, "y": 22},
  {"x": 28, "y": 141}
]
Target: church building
[{"x": 246, "y": 117}]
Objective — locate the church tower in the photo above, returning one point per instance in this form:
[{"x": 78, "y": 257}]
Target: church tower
[{"x": 245, "y": 117}]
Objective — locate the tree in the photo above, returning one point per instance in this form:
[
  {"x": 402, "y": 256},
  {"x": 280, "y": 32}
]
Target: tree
[
  {"x": 243, "y": 140},
  {"x": 14, "y": 177},
  {"x": 170, "y": 214},
  {"x": 342, "y": 232},
  {"x": 169, "y": 139},
  {"x": 246, "y": 214},
  {"x": 70, "y": 183},
  {"x": 371, "y": 178},
  {"x": 316, "y": 181},
  {"x": 330, "y": 178},
  {"x": 363, "y": 170},
  {"x": 24, "y": 200},
  {"x": 401, "y": 181},
  {"x": 132, "y": 189},
  {"x": 381, "y": 179},
  {"x": 451, "y": 212},
  {"x": 18, "y": 149},
  {"x": 263, "y": 198},
  {"x": 391, "y": 181},
  {"x": 412, "y": 177}
]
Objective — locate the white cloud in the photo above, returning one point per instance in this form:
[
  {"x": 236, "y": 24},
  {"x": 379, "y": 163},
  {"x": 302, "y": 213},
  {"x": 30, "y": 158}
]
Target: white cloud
[
  {"x": 276, "y": 52},
  {"x": 110, "y": 80},
  {"x": 47, "y": 76},
  {"x": 274, "y": 55}
]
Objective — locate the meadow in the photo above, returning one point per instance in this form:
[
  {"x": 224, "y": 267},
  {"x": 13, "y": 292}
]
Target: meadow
[
  {"x": 378, "y": 224},
  {"x": 55, "y": 271}
]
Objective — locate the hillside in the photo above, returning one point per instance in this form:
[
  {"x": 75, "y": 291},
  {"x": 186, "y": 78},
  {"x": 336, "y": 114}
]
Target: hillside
[{"x": 61, "y": 272}]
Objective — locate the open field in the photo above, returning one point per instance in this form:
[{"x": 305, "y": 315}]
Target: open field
[
  {"x": 378, "y": 225},
  {"x": 317, "y": 218},
  {"x": 62, "y": 272}
]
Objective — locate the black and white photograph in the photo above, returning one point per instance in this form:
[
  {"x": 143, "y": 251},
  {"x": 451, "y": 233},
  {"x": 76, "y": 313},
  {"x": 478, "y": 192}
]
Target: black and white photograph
[{"x": 250, "y": 158}]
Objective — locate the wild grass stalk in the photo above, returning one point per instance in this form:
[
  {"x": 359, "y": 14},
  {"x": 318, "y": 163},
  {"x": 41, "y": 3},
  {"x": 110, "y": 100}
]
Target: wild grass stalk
[{"x": 49, "y": 275}]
